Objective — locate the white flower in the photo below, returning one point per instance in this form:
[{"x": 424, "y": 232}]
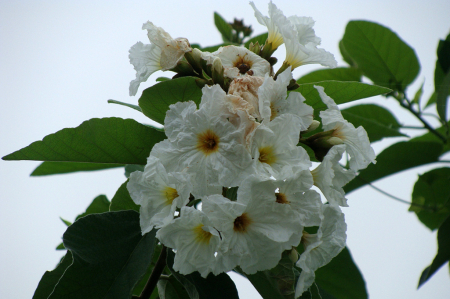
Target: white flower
[
  {"x": 208, "y": 146},
  {"x": 322, "y": 247},
  {"x": 246, "y": 87},
  {"x": 355, "y": 139},
  {"x": 254, "y": 234},
  {"x": 238, "y": 61},
  {"x": 275, "y": 38},
  {"x": 330, "y": 176},
  {"x": 272, "y": 100},
  {"x": 158, "y": 193},
  {"x": 195, "y": 241},
  {"x": 275, "y": 150},
  {"x": 163, "y": 53}
]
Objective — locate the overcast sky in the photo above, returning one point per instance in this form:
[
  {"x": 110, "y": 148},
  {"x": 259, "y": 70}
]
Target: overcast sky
[{"x": 60, "y": 61}]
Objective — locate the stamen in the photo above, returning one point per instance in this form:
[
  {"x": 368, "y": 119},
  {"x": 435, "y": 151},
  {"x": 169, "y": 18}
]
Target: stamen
[
  {"x": 241, "y": 223},
  {"x": 208, "y": 142}
]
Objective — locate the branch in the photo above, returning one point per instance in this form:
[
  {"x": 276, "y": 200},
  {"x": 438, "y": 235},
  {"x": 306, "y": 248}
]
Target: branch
[{"x": 154, "y": 277}]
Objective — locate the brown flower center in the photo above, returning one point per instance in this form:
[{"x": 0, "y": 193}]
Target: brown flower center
[
  {"x": 281, "y": 198},
  {"x": 241, "y": 223},
  {"x": 243, "y": 64},
  {"x": 208, "y": 142}
]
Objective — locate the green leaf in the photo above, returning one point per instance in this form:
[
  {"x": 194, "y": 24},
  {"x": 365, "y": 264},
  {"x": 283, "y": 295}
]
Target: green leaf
[
  {"x": 441, "y": 97},
  {"x": 380, "y": 54},
  {"x": 141, "y": 284},
  {"x": 51, "y": 278},
  {"x": 217, "y": 287},
  {"x": 224, "y": 28},
  {"x": 109, "y": 256},
  {"x": 377, "y": 121},
  {"x": 347, "y": 58},
  {"x": 431, "y": 137},
  {"x": 122, "y": 200},
  {"x": 60, "y": 247},
  {"x": 341, "y": 278},
  {"x": 170, "y": 288},
  {"x": 340, "y": 92},
  {"x": 337, "y": 74},
  {"x": 398, "y": 157},
  {"x": 431, "y": 197},
  {"x": 442, "y": 77},
  {"x": 443, "y": 254},
  {"x": 49, "y": 168},
  {"x": 130, "y": 168},
  {"x": 418, "y": 95},
  {"x": 160, "y": 79},
  {"x": 105, "y": 140},
  {"x": 432, "y": 99},
  {"x": 100, "y": 204},
  {"x": 66, "y": 222},
  {"x": 216, "y": 47},
  {"x": 261, "y": 39},
  {"x": 125, "y": 104},
  {"x": 155, "y": 100}
]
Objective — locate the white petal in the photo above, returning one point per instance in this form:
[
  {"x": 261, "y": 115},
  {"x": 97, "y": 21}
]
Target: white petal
[{"x": 145, "y": 59}]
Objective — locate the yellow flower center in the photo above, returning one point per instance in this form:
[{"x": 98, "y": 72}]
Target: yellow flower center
[
  {"x": 170, "y": 194},
  {"x": 241, "y": 223},
  {"x": 208, "y": 142},
  {"x": 267, "y": 155},
  {"x": 281, "y": 198},
  {"x": 202, "y": 236}
]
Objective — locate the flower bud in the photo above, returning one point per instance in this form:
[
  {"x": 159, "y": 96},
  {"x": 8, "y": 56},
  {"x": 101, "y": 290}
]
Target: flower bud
[
  {"x": 255, "y": 48},
  {"x": 194, "y": 58},
  {"x": 293, "y": 255},
  {"x": 314, "y": 125},
  {"x": 217, "y": 71}
]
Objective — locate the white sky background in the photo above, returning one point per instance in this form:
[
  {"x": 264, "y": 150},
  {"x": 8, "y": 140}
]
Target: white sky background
[{"x": 60, "y": 61}]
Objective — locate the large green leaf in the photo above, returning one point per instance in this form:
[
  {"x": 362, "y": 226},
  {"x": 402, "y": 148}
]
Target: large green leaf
[
  {"x": 341, "y": 278},
  {"x": 105, "y": 140},
  {"x": 109, "y": 256},
  {"x": 217, "y": 287},
  {"x": 49, "y": 168},
  {"x": 224, "y": 28},
  {"x": 398, "y": 157},
  {"x": 141, "y": 284},
  {"x": 155, "y": 100},
  {"x": 442, "y": 77},
  {"x": 377, "y": 121},
  {"x": 170, "y": 288},
  {"x": 340, "y": 92},
  {"x": 443, "y": 254},
  {"x": 338, "y": 74},
  {"x": 122, "y": 200},
  {"x": 51, "y": 278},
  {"x": 431, "y": 197},
  {"x": 431, "y": 137},
  {"x": 380, "y": 54},
  {"x": 100, "y": 204}
]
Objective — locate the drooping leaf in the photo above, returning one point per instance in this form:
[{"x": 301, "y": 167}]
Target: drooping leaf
[
  {"x": 380, "y": 54},
  {"x": 155, "y": 100},
  {"x": 122, "y": 200},
  {"x": 431, "y": 197},
  {"x": 340, "y": 92},
  {"x": 170, "y": 288},
  {"x": 378, "y": 122},
  {"x": 341, "y": 278},
  {"x": 337, "y": 74},
  {"x": 224, "y": 28},
  {"x": 347, "y": 58},
  {"x": 261, "y": 39},
  {"x": 49, "y": 168},
  {"x": 217, "y": 287},
  {"x": 432, "y": 137},
  {"x": 398, "y": 157},
  {"x": 442, "y": 77},
  {"x": 109, "y": 256},
  {"x": 51, "y": 278},
  {"x": 443, "y": 254},
  {"x": 105, "y": 140}
]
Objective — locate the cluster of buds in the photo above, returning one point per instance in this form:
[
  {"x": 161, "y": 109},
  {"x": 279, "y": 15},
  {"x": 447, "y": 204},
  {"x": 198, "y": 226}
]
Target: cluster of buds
[{"x": 238, "y": 154}]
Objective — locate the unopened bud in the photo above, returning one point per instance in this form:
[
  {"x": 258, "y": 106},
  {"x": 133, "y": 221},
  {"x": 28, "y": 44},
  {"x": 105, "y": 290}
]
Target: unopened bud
[
  {"x": 293, "y": 255},
  {"x": 217, "y": 71},
  {"x": 255, "y": 48},
  {"x": 335, "y": 141},
  {"x": 183, "y": 68},
  {"x": 272, "y": 60},
  {"x": 194, "y": 58},
  {"x": 293, "y": 85},
  {"x": 314, "y": 125}
]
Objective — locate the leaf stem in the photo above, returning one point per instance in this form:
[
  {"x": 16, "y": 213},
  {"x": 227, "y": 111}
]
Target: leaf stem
[
  {"x": 405, "y": 103},
  {"x": 156, "y": 274}
]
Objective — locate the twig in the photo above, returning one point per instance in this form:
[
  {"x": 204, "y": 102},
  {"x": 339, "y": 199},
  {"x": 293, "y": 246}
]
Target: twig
[{"x": 154, "y": 277}]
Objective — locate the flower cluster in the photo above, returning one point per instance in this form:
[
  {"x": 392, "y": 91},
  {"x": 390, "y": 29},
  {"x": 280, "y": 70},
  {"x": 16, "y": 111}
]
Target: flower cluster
[{"x": 238, "y": 153}]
